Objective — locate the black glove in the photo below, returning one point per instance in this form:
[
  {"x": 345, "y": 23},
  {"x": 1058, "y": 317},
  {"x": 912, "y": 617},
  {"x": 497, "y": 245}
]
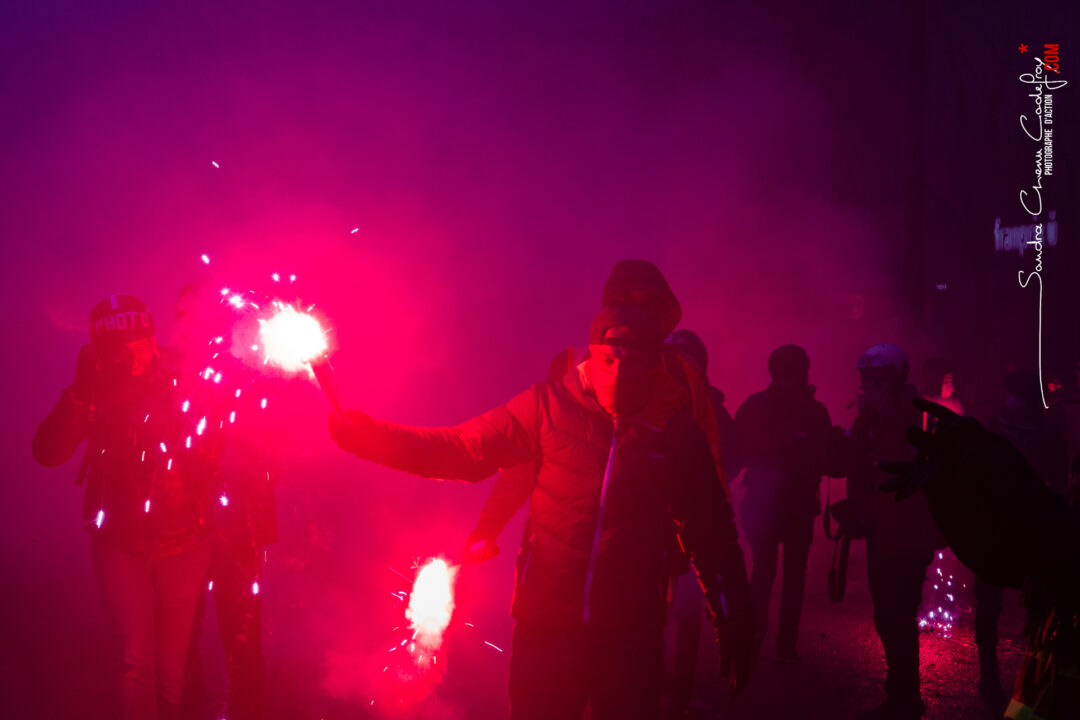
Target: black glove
[
  {"x": 87, "y": 374},
  {"x": 936, "y": 452}
]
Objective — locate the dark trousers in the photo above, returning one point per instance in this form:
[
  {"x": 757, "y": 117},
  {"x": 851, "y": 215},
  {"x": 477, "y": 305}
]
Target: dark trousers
[
  {"x": 988, "y": 604},
  {"x": 685, "y": 614},
  {"x": 555, "y": 673},
  {"x": 239, "y": 620},
  {"x": 896, "y": 589},
  {"x": 149, "y": 606},
  {"x": 796, "y": 538}
]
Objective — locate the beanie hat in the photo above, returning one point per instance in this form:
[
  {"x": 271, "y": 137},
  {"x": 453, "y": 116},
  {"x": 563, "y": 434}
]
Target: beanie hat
[{"x": 120, "y": 319}]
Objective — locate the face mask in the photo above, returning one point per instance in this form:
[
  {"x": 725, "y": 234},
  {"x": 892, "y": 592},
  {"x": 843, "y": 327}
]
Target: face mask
[{"x": 622, "y": 383}]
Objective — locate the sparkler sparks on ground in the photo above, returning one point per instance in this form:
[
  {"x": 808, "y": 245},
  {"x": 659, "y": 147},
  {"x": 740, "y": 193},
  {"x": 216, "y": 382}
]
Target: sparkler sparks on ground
[{"x": 946, "y": 598}]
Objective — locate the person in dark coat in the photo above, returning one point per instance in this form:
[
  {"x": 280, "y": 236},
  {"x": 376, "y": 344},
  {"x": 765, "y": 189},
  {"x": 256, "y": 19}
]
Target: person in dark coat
[
  {"x": 1024, "y": 422},
  {"x": 901, "y": 538},
  {"x": 687, "y": 605},
  {"x": 637, "y": 284},
  {"x": 622, "y": 468},
  {"x": 783, "y": 436},
  {"x": 243, "y": 521},
  {"x": 1004, "y": 522},
  {"x": 149, "y": 479}
]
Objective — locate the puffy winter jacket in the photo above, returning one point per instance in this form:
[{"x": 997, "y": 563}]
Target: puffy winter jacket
[{"x": 605, "y": 506}]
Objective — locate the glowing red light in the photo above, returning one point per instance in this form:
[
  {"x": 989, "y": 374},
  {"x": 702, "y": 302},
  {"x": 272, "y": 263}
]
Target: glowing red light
[
  {"x": 431, "y": 603},
  {"x": 292, "y": 339}
]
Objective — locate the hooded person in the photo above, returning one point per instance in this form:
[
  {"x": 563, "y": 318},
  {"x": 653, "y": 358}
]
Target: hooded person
[
  {"x": 640, "y": 284},
  {"x": 146, "y": 503},
  {"x": 637, "y": 284},
  {"x": 622, "y": 468}
]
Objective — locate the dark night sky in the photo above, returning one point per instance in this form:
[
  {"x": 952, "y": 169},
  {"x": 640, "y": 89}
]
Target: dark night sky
[{"x": 497, "y": 159}]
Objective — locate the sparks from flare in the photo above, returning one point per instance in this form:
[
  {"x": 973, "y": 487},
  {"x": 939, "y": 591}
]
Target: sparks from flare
[{"x": 292, "y": 339}]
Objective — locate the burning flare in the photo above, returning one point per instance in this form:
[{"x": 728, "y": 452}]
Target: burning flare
[
  {"x": 291, "y": 339},
  {"x": 431, "y": 603}
]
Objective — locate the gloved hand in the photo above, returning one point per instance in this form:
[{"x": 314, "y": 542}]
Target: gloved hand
[
  {"x": 996, "y": 513},
  {"x": 735, "y": 636},
  {"x": 348, "y": 432},
  {"x": 481, "y": 549},
  {"x": 87, "y": 374}
]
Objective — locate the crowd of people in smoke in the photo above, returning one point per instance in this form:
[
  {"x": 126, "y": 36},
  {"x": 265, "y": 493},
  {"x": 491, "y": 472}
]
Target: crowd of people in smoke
[{"x": 625, "y": 454}]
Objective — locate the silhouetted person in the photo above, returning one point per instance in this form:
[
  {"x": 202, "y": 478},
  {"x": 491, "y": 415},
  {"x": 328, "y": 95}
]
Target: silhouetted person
[
  {"x": 1024, "y": 422},
  {"x": 687, "y": 604},
  {"x": 901, "y": 537},
  {"x": 783, "y": 436},
  {"x": 243, "y": 521},
  {"x": 1007, "y": 525}
]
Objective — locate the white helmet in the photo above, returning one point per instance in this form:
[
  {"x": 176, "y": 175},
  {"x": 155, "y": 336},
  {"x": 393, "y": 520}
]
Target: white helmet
[{"x": 885, "y": 355}]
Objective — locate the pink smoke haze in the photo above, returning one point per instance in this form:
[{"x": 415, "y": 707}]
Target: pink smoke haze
[{"x": 451, "y": 183}]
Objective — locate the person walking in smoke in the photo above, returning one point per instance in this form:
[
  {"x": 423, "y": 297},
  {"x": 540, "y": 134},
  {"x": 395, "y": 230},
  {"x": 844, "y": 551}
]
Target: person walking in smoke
[
  {"x": 686, "y": 603},
  {"x": 620, "y": 459},
  {"x": 243, "y": 522},
  {"x": 639, "y": 284},
  {"x": 146, "y": 502},
  {"x": 900, "y": 537},
  {"x": 784, "y": 435}
]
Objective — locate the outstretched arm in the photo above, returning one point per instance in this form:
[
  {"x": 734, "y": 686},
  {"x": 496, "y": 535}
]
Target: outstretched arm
[{"x": 507, "y": 436}]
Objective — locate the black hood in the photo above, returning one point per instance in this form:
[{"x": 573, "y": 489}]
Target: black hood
[{"x": 640, "y": 283}]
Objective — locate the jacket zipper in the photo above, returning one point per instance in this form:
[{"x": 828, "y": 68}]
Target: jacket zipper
[{"x": 599, "y": 523}]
